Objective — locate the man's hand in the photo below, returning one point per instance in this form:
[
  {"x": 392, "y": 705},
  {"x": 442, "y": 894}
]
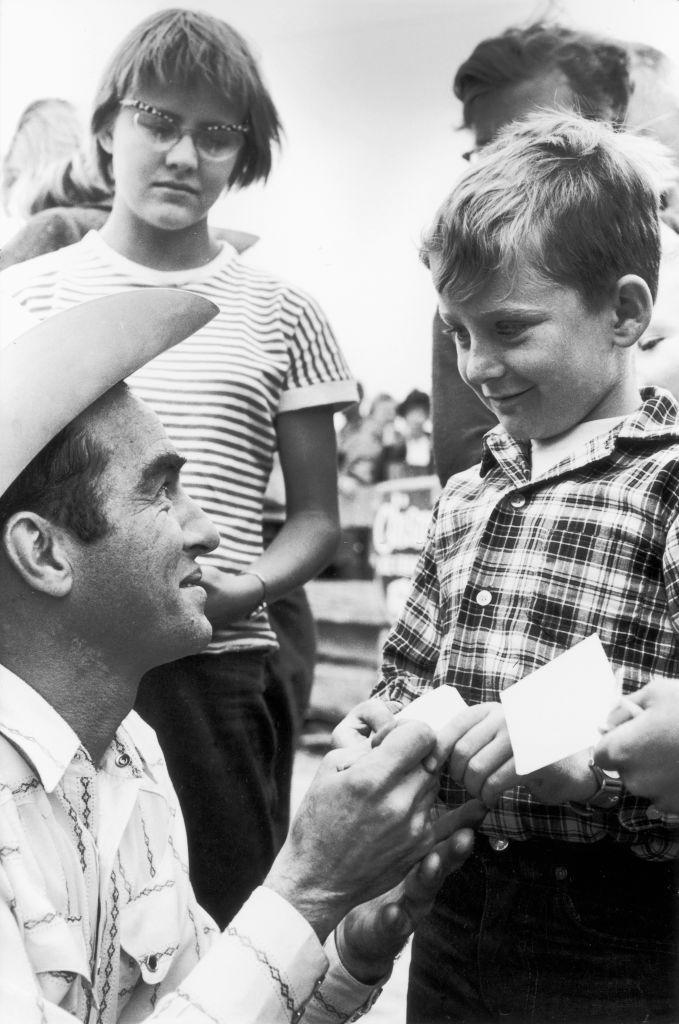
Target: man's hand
[
  {"x": 360, "y": 828},
  {"x": 371, "y": 716},
  {"x": 644, "y": 748},
  {"x": 372, "y": 934}
]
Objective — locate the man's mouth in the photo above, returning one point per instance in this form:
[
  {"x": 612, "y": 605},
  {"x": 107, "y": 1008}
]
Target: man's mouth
[{"x": 193, "y": 579}]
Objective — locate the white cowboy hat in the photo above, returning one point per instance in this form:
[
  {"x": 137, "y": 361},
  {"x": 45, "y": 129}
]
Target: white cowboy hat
[{"x": 51, "y": 371}]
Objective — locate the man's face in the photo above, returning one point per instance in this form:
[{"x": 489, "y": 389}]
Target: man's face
[
  {"x": 138, "y": 590},
  {"x": 491, "y": 111},
  {"x": 535, "y": 355}
]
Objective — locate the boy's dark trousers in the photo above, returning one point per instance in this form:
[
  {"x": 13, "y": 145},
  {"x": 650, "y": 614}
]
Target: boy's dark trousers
[{"x": 544, "y": 932}]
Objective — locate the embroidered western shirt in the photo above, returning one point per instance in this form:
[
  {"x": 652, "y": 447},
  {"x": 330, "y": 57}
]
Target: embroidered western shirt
[
  {"x": 98, "y": 920},
  {"x": 515, "y": 571}
]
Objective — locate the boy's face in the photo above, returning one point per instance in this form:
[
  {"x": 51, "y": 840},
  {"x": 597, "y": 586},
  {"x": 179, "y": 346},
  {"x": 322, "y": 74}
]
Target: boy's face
[{"x": 536, "y": 355}]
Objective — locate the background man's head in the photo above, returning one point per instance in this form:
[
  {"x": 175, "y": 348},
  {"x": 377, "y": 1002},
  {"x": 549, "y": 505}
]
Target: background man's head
[{"x": 542, "y": 66}]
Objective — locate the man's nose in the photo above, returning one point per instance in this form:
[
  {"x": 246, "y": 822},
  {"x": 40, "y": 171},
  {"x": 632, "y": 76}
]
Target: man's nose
[{"x": 199, "y": 531}]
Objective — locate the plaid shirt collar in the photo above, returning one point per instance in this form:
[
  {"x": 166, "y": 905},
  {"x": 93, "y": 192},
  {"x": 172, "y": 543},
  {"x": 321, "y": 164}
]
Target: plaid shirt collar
[{"x": 657, "y": 420}]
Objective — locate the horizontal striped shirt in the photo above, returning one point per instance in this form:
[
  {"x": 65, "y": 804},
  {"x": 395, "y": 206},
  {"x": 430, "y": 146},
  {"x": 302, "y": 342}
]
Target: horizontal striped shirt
[
  {"x": 268, "y": 351},
  {"x": 517, "y": 570}
]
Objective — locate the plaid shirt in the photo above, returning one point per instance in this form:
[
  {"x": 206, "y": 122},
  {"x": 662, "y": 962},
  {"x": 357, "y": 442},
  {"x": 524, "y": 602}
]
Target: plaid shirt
[{"x": 515, "y": 571}]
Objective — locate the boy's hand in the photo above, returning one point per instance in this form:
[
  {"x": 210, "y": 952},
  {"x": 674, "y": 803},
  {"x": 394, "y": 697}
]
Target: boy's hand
[
  {"x": 570, "y": 780},
  {"x": 482, "y": 761},
  {"x": 370, "y": 936},
  {"x": 371, "y": 716},
  {"x": 645, "y": 748},
  {"x": 480, "y": 756}
]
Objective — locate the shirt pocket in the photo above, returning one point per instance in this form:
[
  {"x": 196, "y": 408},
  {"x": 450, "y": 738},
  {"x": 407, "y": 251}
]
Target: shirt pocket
[
  {"x": 57, "y": 952},
  {"x": 150, "y": 933}
]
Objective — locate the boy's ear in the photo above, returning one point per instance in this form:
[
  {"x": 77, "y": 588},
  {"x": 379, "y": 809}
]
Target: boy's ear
[
  {"x": 633, "y": 309},
  {"x": 35, "y": 548}
]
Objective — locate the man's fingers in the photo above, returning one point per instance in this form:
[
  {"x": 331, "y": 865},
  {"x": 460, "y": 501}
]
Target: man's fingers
[
  {"x": 364, "y": 719},
  {"x": 402, "y": 750},
  {"x": 469, "y": 815}
]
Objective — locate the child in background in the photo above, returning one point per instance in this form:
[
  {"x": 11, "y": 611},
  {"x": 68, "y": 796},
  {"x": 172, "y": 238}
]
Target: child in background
[{"x": 545, "y": 258}]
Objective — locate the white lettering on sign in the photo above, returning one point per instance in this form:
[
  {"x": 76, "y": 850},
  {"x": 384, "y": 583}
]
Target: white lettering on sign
[{"x": 399, "y": 526}]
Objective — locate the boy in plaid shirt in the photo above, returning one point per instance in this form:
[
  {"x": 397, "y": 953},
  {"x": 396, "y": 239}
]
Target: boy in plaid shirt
[{"x": 545, "y": 257}]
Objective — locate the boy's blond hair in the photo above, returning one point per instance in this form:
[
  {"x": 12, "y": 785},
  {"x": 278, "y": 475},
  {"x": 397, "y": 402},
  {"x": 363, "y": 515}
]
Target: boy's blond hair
[{"x": 576, "y": 199}]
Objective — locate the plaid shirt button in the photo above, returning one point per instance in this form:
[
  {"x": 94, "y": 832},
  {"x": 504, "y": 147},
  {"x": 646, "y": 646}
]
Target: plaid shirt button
[
  {"x": 518, "y": 500},
  {"x": 483, "y": 598}
]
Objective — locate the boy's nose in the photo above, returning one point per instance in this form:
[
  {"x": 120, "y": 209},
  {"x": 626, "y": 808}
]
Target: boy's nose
[{"x": 481, "y": 364}]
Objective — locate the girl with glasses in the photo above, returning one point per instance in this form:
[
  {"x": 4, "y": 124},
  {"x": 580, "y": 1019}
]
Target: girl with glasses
[{"x": 181, "y": 114}]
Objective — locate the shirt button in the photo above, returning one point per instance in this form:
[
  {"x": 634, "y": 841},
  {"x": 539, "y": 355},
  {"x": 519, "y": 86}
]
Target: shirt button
[
  {"x": 122, "y": 761},
  {"x": 518, "y": 500},
  {"x": 484, "y": 597},
  {"x": 499, "y": 845},
  {"x": 560, "y": 873}
]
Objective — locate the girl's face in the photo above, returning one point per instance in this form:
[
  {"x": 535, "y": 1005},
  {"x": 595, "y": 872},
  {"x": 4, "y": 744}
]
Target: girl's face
[{"x": 175, "y": 189}]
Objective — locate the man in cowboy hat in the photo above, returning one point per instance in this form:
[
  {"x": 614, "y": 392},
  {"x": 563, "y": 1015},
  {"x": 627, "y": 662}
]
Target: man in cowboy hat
[{"x": 99, "y": 582}]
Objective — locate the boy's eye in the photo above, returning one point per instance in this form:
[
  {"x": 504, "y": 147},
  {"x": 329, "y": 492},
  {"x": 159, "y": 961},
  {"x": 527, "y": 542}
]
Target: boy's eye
[
  {"x": 511, "y": 328},
  {"x": 460, "y": 335}
]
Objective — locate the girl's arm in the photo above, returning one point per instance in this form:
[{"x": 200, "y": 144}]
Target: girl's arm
[{"x": 310, "y": 535}]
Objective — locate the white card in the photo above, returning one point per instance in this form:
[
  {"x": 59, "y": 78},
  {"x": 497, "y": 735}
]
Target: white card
[
  {"x": 557, "y": 710},
  {"x": 436, "y": 707}
]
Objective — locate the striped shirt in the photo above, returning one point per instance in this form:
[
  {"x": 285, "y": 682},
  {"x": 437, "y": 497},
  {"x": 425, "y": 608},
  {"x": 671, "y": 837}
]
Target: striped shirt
[
  {"x": 269, "y": 350},
  {"x": 98, "y": 920},
  {"x": 517, "y": 570}
]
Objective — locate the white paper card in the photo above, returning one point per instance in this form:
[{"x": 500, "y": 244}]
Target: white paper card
[
  {"x": 436, "y": 707},
  {"x": 556, "y": 711}
]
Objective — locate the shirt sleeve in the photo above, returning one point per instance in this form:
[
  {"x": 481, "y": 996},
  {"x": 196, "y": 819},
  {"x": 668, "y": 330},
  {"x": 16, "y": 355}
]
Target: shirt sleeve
[
  {"x": 411, "y": 651},
  {"x": 318, "y": 373}
]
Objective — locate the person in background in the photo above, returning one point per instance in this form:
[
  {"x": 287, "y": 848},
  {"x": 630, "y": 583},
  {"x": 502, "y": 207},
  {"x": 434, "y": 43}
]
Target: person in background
[
  {"x": 505, "y": 78},
  {"x": 363, "y": 455},
  {"x": 99, "y": 580},
  {"x": 180, "y": 115},
  {"x": 410, "y": 453},
  {"x": 49, "y": 131}
]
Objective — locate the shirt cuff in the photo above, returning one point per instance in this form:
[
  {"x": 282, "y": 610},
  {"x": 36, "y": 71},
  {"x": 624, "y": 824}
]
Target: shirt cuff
[
  {"x": 337, "y": 394},
  {"x": 263, "y": 967},
  {"x": 340, "y": 997}
]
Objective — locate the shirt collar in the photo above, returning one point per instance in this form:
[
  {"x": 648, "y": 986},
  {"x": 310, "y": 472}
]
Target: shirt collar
[
  {"x": 657, "y": 420},
  {"x": 49, "y": 743},
  {"x": 38, "y": 731}
]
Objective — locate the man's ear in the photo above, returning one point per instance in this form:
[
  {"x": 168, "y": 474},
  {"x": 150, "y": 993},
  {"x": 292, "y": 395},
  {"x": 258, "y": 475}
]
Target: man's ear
[
  {"x": 633, "y": 309},
  {"x": 35, "y": 548}
]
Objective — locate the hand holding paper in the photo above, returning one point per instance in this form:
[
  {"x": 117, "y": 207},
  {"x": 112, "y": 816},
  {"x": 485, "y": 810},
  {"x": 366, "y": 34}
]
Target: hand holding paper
[{"x": 557, "y": 710}]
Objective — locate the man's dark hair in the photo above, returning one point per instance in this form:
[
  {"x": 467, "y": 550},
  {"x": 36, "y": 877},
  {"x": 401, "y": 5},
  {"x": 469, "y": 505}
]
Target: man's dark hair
[
  {"x": 63, "y": 484},
  {"x": 597, "y": 70}
]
